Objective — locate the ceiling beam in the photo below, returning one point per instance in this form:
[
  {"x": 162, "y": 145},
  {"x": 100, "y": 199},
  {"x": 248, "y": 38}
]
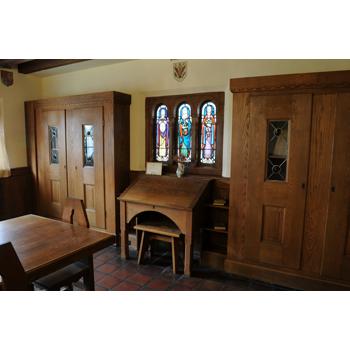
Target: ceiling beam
[
  {"x": 10, "y": 63},
  {"x": 39, "y": 65}
]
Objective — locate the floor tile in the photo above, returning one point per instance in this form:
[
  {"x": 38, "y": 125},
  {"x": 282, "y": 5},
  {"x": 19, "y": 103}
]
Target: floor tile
[
  {"x": 107, "y": 268},
  {"x": 139, "y": 278},
  {"x": 159, "y": 284},
  {"x": 126, "y": 286},
  {"x": 114, "y": 273},
  {"x": 109, "y": 281}
]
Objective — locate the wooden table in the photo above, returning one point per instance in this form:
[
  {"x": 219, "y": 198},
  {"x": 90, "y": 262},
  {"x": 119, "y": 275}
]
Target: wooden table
[
  {"x": 45, "y": 245},
  {"x": 180, "y": 199}
]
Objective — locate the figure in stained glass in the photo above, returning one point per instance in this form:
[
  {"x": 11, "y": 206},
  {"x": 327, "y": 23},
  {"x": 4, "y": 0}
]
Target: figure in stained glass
[
  {"x": 162, "y": 134},
  {"x": 184, "y": 133},
  {"x": 208, "y": 133}
]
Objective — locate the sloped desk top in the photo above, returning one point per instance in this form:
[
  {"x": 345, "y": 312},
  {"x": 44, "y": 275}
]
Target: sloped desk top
[{"x": 166, "y": 191}]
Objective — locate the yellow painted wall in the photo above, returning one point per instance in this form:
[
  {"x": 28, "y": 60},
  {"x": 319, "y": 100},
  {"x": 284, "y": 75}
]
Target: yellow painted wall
[
  {"x": 142, "y": 78},
  {"x": 25, "y": 88}
]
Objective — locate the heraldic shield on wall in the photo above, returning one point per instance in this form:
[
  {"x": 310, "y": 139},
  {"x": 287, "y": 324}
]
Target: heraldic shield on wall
[{"x": 180, "y": 70}]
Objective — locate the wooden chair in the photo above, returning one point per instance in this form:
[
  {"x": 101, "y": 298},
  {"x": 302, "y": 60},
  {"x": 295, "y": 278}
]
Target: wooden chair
[
  {"x": 75, "y": 208},
  {"x": 65, "y": 277},
  {"x": 158, "y": 232},
  {"x": 12, "y": 273}
]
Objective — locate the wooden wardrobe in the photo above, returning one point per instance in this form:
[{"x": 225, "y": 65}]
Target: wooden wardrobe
[
  {"x": 78, "y": 147},
  {"x": 290, "y": 180}
]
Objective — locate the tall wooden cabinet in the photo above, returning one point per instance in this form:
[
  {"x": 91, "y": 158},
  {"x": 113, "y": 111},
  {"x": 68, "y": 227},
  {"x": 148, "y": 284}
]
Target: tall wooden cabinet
[
  {"x": 290, "y": 180},
  {"x": 78, "y": 147}
]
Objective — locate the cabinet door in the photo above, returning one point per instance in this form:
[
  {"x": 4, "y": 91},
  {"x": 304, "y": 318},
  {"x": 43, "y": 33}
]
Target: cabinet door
[
  {"x": 51, "y": 153},
  {"x": 336, "y": 263},
  {"x": 277, "y": 174},
  {"x": 85, "y": 161}
]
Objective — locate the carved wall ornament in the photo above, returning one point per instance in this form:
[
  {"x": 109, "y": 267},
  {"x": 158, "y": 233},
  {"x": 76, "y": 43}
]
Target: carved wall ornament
[
  {"x": 180, "y": 70},
  {"x": 6, "y": 77}
]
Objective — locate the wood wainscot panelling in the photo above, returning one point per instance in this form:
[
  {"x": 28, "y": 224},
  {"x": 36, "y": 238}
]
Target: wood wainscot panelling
[{"x": 16, "y": 194}]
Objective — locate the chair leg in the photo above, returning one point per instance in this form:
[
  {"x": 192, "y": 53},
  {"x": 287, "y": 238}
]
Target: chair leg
[
  {"x": 174, "y": 253},
  {"x": 143, "y": 247}
]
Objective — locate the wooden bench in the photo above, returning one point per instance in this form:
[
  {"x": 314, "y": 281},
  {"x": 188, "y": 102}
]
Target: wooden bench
[{"x": 161, "y": 232}]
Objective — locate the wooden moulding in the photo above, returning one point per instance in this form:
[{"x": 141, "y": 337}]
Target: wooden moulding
[
  {"x": 282, "y": 278},
  {"x": 320, "y": 80}
]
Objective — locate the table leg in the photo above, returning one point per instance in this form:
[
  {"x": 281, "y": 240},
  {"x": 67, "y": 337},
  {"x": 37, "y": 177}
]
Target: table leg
[
  {"x": 124, "y": 239},
  {"x": 89, "y": 278},
  {"x": 188, "y": 254}
]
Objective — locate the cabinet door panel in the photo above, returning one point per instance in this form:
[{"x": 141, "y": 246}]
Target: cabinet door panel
[
  {"x": 337, "y": 243},
  {"x": 320, "y": 172},
  {"x": 85, "y": 161},
  {"x": 277, "y": 175},
  {"x": 51, "y": 150}
]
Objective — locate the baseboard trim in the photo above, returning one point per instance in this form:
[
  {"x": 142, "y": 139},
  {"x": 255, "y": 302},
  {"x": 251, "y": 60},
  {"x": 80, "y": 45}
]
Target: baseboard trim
[
  {"x": 286, "y": 279},
  {"x": 213, "y": 259}
]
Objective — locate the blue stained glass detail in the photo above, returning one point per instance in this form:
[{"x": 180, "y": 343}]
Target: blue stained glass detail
[
  {"x": 184, "y": 138},
  {"x": 208, "y": 133},
  {"x": 162, "y": 134}
]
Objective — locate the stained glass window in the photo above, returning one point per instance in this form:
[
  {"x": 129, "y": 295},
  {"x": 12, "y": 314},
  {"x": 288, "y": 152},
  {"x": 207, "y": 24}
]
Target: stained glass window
[
  {"x": 208, "y": 133},
  {"x": 53, "y": 144},
  {"x": 184, "y": 138},
  {"x": 88, "y": 132},
  {"x": 277, "y": 149},
  {"x": 162, "y": 134}
]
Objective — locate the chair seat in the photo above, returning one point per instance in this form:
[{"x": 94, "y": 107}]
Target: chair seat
[
  {"x": 159, "y": 229},
  {"x": 63, "y": 277}
]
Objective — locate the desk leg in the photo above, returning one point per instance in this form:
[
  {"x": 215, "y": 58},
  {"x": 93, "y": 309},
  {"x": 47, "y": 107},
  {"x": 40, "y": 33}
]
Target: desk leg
[
  {"x": 89, "y": 278},
  {"x": 188, "y": 254},
  {"x": 188, "y": 245},
  {"x": 124, "y": 242}
]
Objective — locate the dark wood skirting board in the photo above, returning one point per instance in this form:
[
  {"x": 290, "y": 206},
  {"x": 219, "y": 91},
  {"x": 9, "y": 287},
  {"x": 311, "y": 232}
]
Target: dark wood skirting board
[
  {"x": 213, "y": 260},
  {"x": 287, "y": 279},
  {"x": 16, "y": 194}
]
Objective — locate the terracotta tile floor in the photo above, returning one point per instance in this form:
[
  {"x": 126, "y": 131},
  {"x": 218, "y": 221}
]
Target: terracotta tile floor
[{"x": 113, "y": 273}]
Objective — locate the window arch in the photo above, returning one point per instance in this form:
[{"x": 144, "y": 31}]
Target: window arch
[
  {"x": 184, "y": 134},
  {"x": 162, "y": 134},
  {"x": 208, "y": 133}
]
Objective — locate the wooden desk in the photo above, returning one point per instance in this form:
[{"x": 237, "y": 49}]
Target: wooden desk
[
  {"x": 178, "y": 199},
  {"x": 44, "y": 245}
]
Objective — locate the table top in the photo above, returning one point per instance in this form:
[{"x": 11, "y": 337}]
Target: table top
[
  {"x": 166, "y": 191},
  {"x": 43, "y": 243}
]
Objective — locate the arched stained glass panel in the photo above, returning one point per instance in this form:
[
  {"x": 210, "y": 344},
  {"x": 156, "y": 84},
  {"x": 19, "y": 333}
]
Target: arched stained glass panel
[
  {"x": 162, "y": 134},
  {"x": 208, "y": 133},
  {"x": 184, "y": 137}
]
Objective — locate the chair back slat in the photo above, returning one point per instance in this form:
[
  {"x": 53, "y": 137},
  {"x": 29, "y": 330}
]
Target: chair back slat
[
  {"x": 75, "y": 208},
  {"x": 11, "y": 270}
]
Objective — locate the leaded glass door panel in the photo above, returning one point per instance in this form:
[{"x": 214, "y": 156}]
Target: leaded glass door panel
[
  {"x": 277, "y": 175},
  {"x": 52, "y": 176},
  {"x": 85, "y": 161}
]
